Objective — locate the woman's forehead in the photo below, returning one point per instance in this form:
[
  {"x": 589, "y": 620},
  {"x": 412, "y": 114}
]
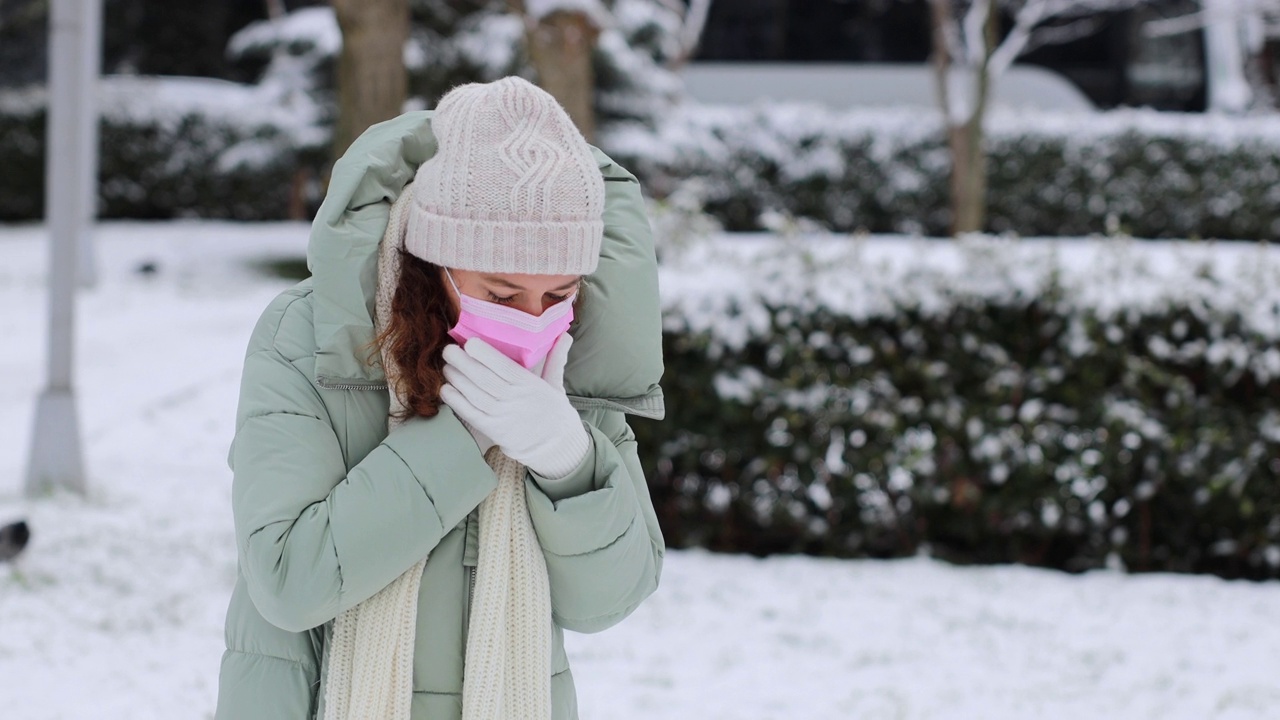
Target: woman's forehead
[{"x": 517, "y": 281}]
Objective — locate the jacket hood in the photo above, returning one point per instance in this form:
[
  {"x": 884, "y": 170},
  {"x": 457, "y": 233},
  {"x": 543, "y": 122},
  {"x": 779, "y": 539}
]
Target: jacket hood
[{"x": 616, "y": 358}]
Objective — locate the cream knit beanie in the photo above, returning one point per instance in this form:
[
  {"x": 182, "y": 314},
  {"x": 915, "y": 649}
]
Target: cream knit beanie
[{"x": 513, "y": 187}]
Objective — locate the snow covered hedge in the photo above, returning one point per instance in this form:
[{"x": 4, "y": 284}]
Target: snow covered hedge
[
  {"x": 170, "y": 147},
  {"x": 452, "y": 42},
  {"x": 1142, "y": 173},
  {"x": 1068, "y": 404}
]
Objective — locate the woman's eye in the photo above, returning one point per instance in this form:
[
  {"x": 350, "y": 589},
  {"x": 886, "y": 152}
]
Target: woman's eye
[
  {"x": 557, "y": 298},
  {"x": 499, "y": 299}
]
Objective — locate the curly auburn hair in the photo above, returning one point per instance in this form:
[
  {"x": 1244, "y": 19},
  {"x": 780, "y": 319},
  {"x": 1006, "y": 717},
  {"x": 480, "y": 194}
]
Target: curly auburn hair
[{"x": 421, "y": 316}]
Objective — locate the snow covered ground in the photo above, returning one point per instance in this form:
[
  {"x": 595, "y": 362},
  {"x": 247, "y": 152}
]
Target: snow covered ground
[{"x": 116, "y": 610}]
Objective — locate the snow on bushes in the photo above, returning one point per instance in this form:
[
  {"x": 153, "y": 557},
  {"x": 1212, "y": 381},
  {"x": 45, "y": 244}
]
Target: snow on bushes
[
  {"x": 632, "y": 63},
  {"x": 1067, "y": 404},
  {"x": 169, "y": 147},
  {"x": 1142, "y": 173},
  {"x": 297, "y": 52},
  {"x": 205, "y": 148}
]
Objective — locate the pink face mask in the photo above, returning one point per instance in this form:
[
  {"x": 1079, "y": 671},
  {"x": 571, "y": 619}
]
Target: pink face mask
[{"x": 516, "y": 334}]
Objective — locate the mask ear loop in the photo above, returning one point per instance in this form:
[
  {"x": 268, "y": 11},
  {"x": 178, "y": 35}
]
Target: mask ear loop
[
  {"x": 447, "y": 274},
  {"x": 451, "y": 282}
]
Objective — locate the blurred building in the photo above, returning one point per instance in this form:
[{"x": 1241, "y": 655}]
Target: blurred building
[{"x": 1112, "y": 63}]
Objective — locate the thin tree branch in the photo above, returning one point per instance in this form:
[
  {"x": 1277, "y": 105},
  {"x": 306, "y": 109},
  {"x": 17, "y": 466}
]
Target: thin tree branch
[
  {"x": 951, "y": 37},
  {"x": 974, "y": 22},
  {"x": 1166, "y": 27},
  {"x": 695, "y": 21},
  {"x": 983, "y": 78},
  {"x": 1060, "y": 34},
  {"x": 1197, "y": 21},
  {"x": 1015, "y": 42},
  {"x": 940, "y": 16}
]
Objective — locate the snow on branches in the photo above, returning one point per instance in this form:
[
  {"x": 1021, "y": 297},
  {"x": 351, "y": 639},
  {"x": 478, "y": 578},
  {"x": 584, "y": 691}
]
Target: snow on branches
[{"x": 971, "y": 57}]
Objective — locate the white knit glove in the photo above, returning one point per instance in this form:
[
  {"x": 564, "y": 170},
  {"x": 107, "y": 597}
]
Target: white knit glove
[
  {"x": 484, "y": 442},
  {"x": 526, "y": 414}
]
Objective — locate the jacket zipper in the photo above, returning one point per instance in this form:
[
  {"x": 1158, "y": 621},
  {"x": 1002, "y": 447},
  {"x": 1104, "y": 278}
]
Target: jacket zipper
[
  {"x": 466, "y": 609},
  {"x": 471, "y": 593},
  {"x": 351, "y": 386},
  {"x": 471, "y": 580}
]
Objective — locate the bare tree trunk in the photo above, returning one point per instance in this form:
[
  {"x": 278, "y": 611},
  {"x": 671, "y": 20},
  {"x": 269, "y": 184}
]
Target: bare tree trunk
[
  {"x": 942, "y": 19},
  {"x": 372, "y": 79},
  {"x": 969, "y": 178},
  {"x": 971, "y": 203},
  {"x": 560, "y": 47},
  {"x": 965, "y": 135}
]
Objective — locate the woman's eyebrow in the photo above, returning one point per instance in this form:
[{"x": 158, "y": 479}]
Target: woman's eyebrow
[
  {"x": 503, "y": 282},
  {"x": 569, "y": 285}
]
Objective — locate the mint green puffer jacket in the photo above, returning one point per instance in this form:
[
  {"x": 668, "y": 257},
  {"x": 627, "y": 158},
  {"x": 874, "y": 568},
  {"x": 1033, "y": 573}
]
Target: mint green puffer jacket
[{"x": 329, "y": 508}]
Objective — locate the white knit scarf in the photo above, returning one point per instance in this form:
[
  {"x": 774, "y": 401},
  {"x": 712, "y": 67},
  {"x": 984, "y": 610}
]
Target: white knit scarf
[{"x": 508, "y": 658}]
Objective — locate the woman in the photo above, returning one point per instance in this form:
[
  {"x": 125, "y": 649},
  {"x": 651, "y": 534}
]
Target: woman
[{"x": 428, "y": 485}]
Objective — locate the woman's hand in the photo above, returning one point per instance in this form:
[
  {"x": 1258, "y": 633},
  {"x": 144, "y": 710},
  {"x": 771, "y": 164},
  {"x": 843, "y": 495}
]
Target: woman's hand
[{"x": 526, "y": 415}]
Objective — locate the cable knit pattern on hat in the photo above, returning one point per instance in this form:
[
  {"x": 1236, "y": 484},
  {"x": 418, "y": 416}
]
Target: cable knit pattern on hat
[{"x": 513, "y": 188}]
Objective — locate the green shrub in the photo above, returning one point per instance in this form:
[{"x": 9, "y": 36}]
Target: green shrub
[
  {"x": 171, "y": 147},
  {"x": 1143, "y": 173},
  {"x": 986, "y": 403}
]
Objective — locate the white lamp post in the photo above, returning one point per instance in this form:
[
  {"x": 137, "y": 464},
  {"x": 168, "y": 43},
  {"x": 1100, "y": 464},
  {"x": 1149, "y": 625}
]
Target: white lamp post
[{"x": 71, "y": 138}]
